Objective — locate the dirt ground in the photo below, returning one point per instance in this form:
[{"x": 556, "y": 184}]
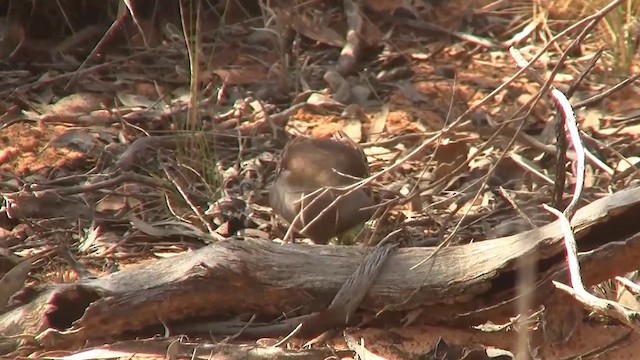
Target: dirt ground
[{"x": 427, "y": 85}]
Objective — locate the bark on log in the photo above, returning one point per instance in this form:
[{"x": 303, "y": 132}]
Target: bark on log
[{"x": 461, "y": 284}]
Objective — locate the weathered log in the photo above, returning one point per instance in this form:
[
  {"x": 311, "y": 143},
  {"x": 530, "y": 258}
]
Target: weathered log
[{"x": 459, "y": 284}]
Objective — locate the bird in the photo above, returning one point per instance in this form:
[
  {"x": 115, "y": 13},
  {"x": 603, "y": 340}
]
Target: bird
[{"x": 308, "y": 167}]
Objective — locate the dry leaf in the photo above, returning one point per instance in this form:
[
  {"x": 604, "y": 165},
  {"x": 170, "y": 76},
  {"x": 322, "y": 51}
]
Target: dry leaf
[
  {"x": 111, "y": 203},
  {"x": 378, "y": 123},
  {"x": 323, "y": 101},
  {"x": 9, "y": 153},
  {"x": 75, "y": 139},
  {"x": 78, "y": 103},
  {"x": 353, "y": 128},
  {"x": 410, "y": 92},
  {"x": 626, "y": 298},
  {"x": 168, "y": 228},
  {"x": 134, "y": 100},
  {"x": 89, "y": 240},
  {"x": 377, "y": 153},
  {"x": 627, "y": 163},
  {"x": 245, "y": 76},
  {"x": 319, "y": 32},
  {"x": 449, "y": 156},
  {"x": 105, "y": 353}
]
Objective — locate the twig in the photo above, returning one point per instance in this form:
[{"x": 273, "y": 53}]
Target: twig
[
  {"x": 423, "y": 25},
  {"x": 630, "y": 285},
  {"x": 107, "y": 36},
  {"x": 597, "y": 98},
  {"x": 120, "y": 179},
  {"x": 577, "y": 289},
  {"x": 583, "y": 74},
  {"x": 181, "y": 189},
  {"x": 570, "y": 124},
  {"x": 561, "y": 161}
]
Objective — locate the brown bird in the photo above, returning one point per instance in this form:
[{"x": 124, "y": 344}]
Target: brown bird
[{"x": 309, "y": 164}]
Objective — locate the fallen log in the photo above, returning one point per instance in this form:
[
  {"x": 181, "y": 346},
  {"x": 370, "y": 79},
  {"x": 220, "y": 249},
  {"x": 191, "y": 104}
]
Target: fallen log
[{"x": 459, "y": 285}]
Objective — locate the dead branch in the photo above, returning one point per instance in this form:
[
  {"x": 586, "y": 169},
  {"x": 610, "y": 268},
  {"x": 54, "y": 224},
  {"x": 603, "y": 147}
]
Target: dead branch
[{"x": 460, "y": 285}]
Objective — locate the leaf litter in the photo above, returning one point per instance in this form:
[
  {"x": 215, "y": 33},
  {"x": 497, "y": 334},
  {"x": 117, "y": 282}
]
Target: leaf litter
[{"x": 69, "y": 132}]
